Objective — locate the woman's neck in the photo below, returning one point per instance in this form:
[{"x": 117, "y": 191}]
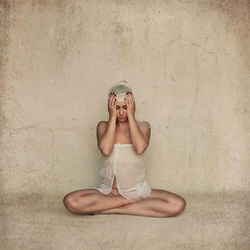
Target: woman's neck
[{"x": 122, "y": 125}]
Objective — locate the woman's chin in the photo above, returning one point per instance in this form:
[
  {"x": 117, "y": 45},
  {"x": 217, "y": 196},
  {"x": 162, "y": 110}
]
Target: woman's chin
[{"x": 122, "y": 119}]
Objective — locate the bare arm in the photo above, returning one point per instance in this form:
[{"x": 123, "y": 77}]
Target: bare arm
[
  {"x": 139, "y": 139},
  {"x": 106, "y": 135},
  {"x": 106, "y": 131}
]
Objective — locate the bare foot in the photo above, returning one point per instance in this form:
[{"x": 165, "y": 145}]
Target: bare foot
[{"x": 116, "y": 209}]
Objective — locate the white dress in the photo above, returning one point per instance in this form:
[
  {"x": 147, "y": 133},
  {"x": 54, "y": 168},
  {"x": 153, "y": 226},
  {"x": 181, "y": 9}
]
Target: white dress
[{"x": 128, "y": 167}]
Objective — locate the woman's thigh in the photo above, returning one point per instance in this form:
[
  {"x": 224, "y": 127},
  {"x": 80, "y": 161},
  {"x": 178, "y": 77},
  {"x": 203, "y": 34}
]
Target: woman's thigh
[
  {"x": 155, "y": 193},
  {"x": 82, "y": 192},
  {"x": 83, "y": 198},
  {"x": 165, "y": 195}
]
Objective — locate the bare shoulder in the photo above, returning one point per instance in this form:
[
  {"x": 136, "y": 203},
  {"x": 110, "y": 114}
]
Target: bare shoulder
[
  {"x": 102, "y": 123},
  {"x": 101, "y": 126},
  {"x": 144, "y": 125}
]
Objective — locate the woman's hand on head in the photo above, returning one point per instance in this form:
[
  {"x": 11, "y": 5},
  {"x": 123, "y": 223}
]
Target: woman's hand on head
[
  {"x": 130, "y": 102},
  {"x": 112, "y": 105}
]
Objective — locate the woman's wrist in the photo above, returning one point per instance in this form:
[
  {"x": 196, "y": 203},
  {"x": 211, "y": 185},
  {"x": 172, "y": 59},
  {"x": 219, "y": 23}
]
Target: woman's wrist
[
  {"x": 131, "y": 116},
  {"x": 112, "y": 117}
]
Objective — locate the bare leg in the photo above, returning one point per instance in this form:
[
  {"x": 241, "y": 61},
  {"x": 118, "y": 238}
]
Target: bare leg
[
  {"x": 91, "y": 201},
  {"x": 171, "y": 205},
  {"x": 150, "y": 208},
  {"x": 159, "y": 203}
]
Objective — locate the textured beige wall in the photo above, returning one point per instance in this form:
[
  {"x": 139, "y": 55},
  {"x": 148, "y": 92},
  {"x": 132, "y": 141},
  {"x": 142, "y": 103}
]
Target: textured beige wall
[{"x": 185, "y": 60}]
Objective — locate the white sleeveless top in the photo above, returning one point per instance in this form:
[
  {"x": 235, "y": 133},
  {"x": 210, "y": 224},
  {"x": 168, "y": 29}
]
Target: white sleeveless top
[{"x": 128, "y": 167}]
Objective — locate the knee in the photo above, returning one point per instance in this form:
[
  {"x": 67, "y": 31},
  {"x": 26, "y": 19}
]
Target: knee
[
  {"x": 180, "y": 205},
  {"x": 70, "y": 203}
]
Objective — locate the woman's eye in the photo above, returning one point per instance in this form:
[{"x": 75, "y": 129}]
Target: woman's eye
[{"x": 117, "y": 107}]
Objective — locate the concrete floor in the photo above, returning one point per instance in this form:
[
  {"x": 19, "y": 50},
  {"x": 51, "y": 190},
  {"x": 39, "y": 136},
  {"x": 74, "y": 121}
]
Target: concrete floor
[{"x": 40, "y": 221}]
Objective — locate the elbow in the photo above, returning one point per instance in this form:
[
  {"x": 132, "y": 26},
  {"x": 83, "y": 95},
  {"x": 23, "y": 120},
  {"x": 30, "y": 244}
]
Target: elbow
[
  {"x": 105, "y": 152},
  {"x": 141, "y": 150}
]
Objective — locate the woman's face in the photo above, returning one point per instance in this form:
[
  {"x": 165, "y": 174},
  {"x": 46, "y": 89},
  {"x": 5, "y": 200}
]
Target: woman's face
[{"x": 121, "y": 111}]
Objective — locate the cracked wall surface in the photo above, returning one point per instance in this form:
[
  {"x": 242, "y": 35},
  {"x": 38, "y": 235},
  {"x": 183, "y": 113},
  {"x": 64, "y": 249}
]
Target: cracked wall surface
[{"x": 187, "y": 62}]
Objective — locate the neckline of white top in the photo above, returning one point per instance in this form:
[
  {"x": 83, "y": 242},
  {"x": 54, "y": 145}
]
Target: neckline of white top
[{"x": 122, "y": 145}]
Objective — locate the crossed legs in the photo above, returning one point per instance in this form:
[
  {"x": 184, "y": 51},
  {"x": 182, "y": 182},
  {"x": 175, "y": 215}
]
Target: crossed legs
[{"x": 159, "y": 203}]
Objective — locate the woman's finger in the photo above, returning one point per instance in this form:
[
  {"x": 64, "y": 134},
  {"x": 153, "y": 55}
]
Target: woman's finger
[
  {"x": 110, "y": 96},
  {"x": 128, "y": 98},
  {"x": 108, "y": 102},
  {"x": 111, "y": 101},
  {"x": 131, "y": 97},
  {"x": 114, "y": 101}
]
